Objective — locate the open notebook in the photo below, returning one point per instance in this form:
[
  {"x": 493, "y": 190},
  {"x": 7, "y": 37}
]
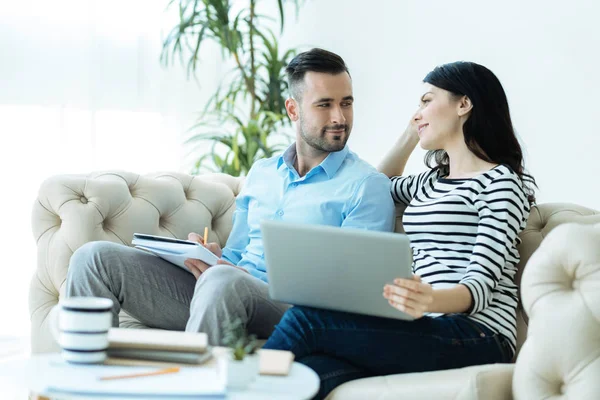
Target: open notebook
[{"x": 175, "y": 251}]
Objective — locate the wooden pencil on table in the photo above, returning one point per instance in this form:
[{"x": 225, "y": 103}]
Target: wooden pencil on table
[{"x": 171, "y": 370}]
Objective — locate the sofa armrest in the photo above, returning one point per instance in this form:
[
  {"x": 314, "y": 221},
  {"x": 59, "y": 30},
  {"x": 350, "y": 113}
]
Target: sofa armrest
[
  {"x": 74, "y": 209},
  {"x": 561, "y": 294}
]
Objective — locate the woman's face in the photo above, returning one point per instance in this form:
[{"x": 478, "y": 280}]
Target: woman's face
[{"x": 438, "y": 119}]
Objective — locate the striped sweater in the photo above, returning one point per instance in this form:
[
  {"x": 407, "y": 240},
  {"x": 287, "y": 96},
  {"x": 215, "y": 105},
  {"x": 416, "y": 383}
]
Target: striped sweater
[{"x": 466, "y": 231}]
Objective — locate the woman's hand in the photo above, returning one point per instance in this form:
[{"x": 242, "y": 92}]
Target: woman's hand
[
  {"x": 395, "y": 160},
  {"x": 412, "y": 129},
  {"x": 410, "y": 296}
]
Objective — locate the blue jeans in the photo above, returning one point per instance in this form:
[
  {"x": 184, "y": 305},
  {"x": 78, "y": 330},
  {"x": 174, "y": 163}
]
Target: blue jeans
[{"x": 341, "y": 347}]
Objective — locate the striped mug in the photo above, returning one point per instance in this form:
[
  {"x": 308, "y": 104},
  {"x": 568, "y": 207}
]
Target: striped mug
[{"x": 80, "y": 326}]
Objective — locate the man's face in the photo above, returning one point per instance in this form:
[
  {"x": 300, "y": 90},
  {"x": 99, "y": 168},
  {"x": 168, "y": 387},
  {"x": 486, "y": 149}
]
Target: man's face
[{"x": 325, "y": 111}]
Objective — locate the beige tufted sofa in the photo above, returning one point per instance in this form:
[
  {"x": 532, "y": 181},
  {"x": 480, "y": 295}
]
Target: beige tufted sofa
[{"x": 560, "y": 286}]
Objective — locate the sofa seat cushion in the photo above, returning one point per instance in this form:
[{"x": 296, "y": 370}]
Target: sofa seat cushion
[{"x": 490, "y": 382}]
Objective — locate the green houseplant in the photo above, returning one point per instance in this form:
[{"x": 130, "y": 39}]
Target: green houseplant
[
  {"x": 239, "y": 366},
  {"x": 245, "y": 118},
  {"x": 237, "y": 339}
]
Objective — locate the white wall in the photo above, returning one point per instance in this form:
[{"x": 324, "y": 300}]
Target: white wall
[
  {"x": 82, "y": 89},
  {"x": 545, "y": 53}
]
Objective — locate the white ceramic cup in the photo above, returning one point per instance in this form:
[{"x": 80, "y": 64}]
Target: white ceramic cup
[{"x": 80, "y": 327}]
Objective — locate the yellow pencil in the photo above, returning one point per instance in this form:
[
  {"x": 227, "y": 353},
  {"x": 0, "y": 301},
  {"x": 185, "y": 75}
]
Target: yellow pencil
[
  {"x": 158, "y": 372},
  {"x": 205, "y": 234}
]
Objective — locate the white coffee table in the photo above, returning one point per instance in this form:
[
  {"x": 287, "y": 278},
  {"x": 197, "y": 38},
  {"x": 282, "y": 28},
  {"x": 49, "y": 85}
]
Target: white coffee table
[{"x": 300, "y": 383}]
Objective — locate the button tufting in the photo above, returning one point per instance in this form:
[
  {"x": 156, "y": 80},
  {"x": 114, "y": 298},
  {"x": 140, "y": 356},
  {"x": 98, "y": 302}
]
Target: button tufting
[{"x": 83, "y": 199}]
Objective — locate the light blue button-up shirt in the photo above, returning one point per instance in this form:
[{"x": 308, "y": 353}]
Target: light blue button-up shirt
[{"x": 341, "y": 191}]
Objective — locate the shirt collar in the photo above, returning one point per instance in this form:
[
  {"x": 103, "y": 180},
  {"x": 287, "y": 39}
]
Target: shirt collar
[
  {"x": 287, "y": 157},
  {"x": 334, "y": 161},
  {"x": 331, "y": 164}
]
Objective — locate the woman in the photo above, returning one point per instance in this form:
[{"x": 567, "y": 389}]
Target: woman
[{"x": 463, "y": 217}]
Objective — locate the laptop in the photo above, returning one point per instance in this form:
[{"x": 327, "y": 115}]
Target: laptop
[{"x": 341, "y": 269}]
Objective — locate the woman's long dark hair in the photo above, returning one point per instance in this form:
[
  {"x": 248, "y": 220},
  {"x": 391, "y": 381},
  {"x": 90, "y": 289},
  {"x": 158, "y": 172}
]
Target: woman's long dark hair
[{"x": 488, "y": 131}]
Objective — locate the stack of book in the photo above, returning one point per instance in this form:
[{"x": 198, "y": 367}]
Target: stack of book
[{"x": 158, "y": 346}]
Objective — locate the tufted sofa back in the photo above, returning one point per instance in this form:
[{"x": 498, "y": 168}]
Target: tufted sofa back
[
  {"x": 74, "y": 209},
  {"x": 543, "y": 219}
]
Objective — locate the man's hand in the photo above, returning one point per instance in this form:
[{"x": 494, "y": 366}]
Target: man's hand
[
  {"x": 196, "y": 266},
  {"x": 213, "y": 247},
  {"x": 410, "y": 296}
]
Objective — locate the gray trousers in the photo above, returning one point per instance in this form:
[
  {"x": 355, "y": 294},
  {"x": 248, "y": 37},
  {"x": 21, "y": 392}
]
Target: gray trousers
[{"x": 161, "y": 295}]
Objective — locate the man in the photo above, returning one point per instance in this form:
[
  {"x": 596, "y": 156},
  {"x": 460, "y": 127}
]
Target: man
[{"x": 317, "y": 180}]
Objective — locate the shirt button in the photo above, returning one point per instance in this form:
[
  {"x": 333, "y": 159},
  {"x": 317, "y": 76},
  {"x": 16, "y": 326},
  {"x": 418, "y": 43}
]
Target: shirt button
[{"x": 280, "y": 213}]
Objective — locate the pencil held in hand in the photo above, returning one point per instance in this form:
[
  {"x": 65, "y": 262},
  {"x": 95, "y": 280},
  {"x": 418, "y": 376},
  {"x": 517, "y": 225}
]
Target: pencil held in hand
[
  {"x": 205, "y": 235},
  {"x": 171, "y": 370}
]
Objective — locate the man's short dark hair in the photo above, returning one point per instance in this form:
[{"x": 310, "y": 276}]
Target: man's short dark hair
[{"x": 315, "y": 60}]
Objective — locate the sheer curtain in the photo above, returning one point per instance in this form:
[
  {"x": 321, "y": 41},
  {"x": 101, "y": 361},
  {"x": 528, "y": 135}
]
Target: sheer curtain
[{"x": 82, "y": 89}]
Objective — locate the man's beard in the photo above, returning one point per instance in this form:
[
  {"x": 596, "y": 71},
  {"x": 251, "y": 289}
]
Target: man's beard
[{"x": 321, "y": 142}]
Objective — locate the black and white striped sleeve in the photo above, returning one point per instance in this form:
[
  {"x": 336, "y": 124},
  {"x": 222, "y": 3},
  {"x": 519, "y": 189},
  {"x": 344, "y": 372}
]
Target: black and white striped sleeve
[
  {"x": 503, "y": 211},
  {"x": 405, "y": 188}
]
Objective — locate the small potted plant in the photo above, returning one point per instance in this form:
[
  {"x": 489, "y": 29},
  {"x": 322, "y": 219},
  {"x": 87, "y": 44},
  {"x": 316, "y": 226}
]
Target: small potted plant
[{"x": 239, "y": 365}]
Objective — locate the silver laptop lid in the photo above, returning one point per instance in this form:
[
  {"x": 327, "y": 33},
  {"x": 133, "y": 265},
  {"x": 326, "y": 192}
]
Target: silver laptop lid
[{"x": 335, "y": 268}]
